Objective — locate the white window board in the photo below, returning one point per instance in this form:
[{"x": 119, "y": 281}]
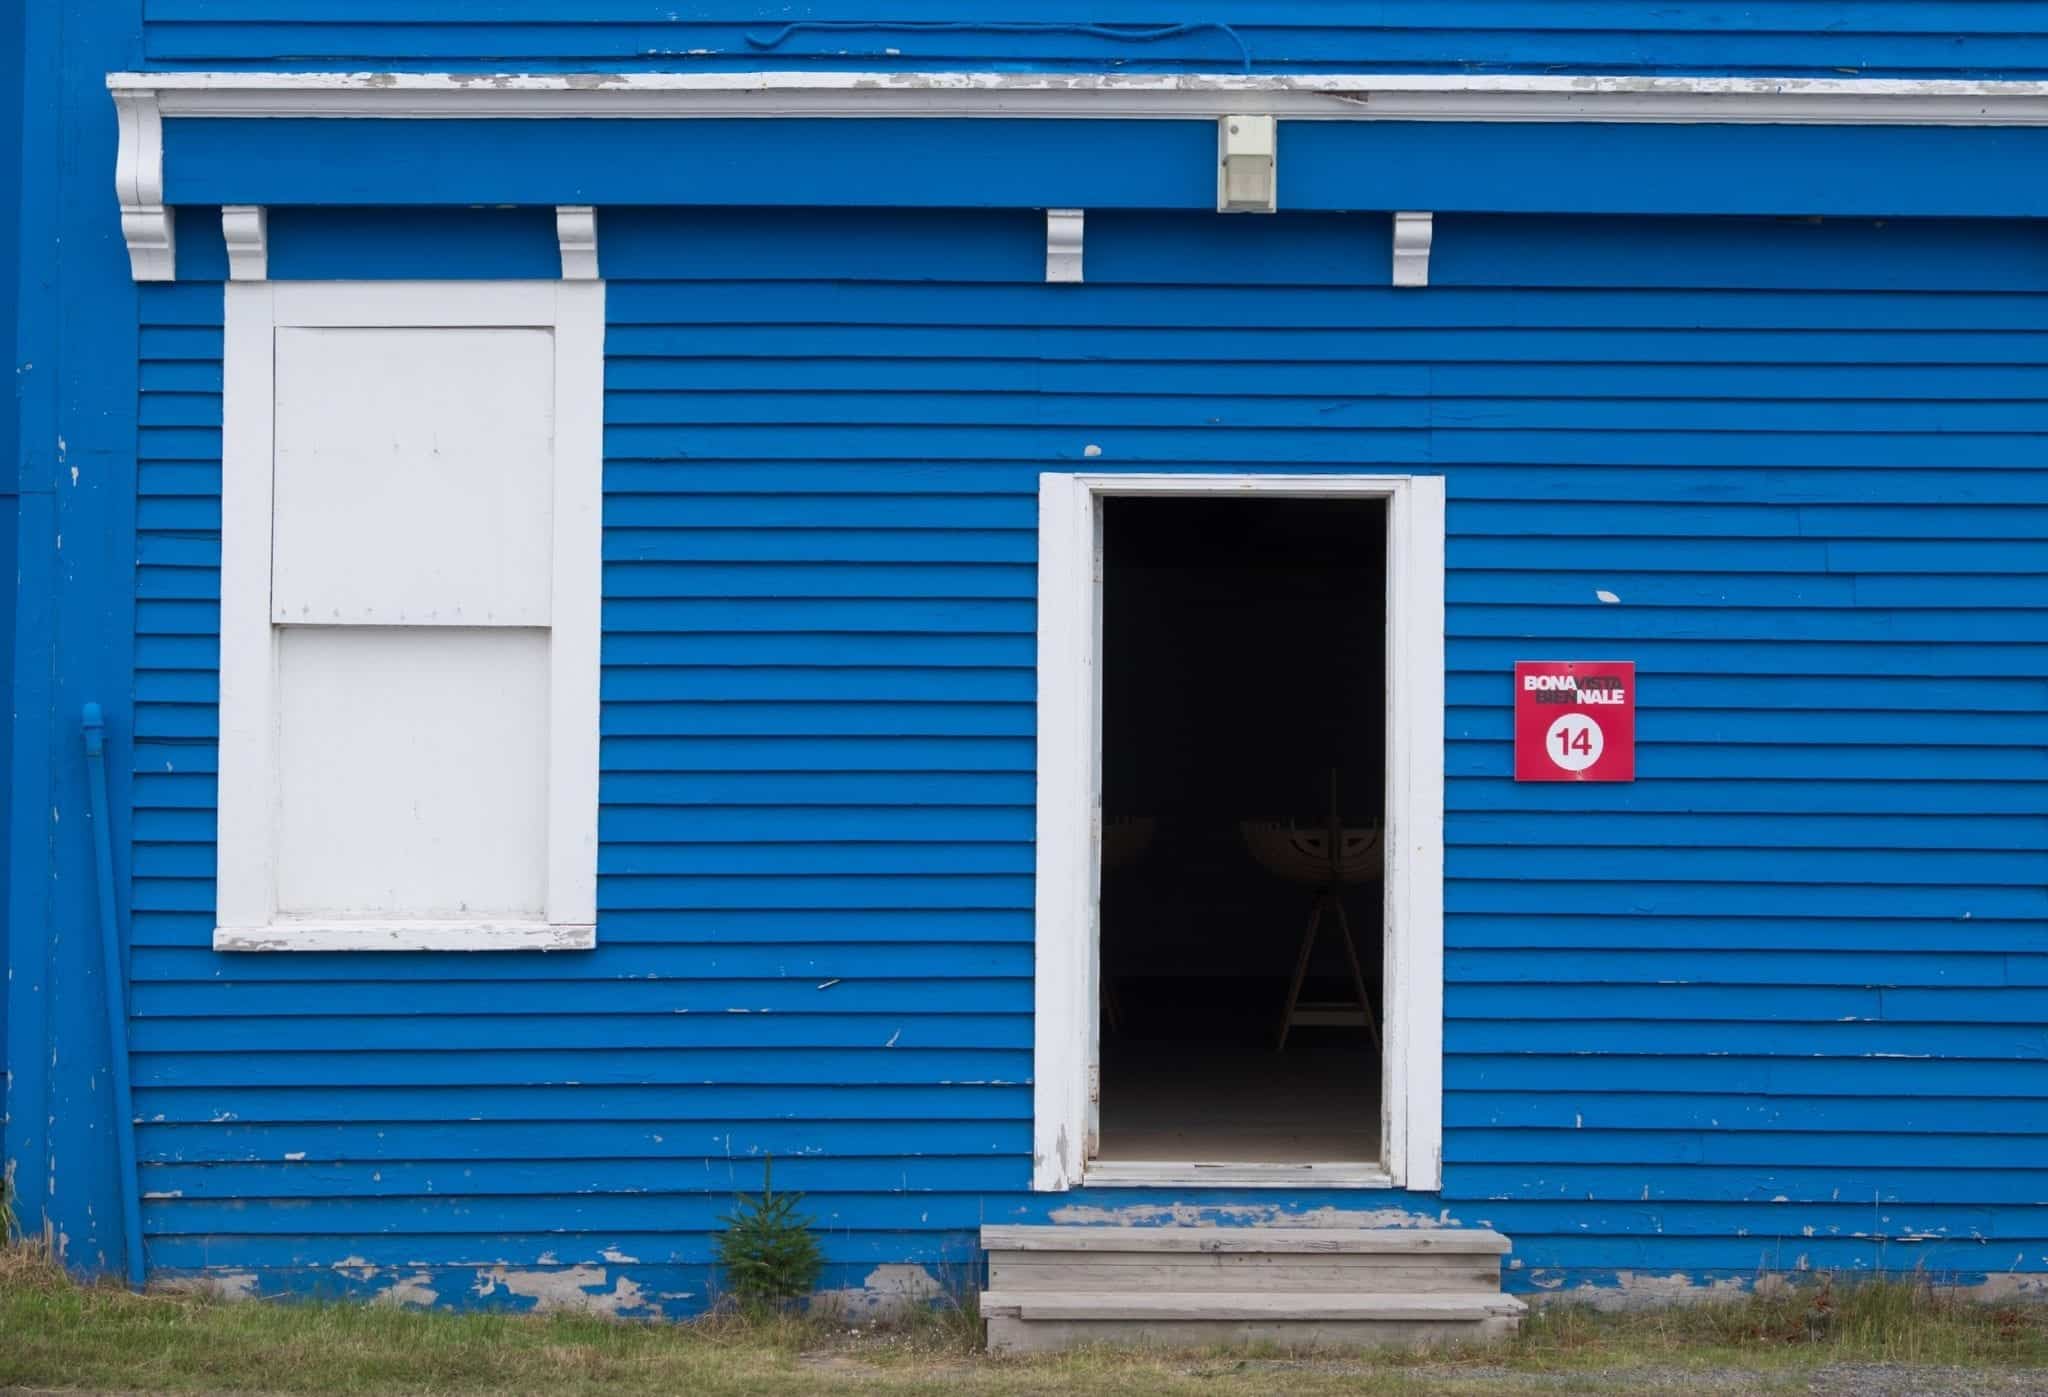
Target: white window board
[{"x": 380, "y": 575}]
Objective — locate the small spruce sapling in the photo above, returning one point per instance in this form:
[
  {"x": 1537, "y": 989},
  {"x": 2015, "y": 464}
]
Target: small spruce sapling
[{"x": 767, "y": 1251}]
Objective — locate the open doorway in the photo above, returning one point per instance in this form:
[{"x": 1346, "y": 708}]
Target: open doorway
[
  {"x": 1076, "y": 912},
  {"x": 1243, "y": 741}
]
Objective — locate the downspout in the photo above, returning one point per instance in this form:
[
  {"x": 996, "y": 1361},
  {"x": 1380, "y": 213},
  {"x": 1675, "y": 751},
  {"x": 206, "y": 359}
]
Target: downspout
[{"x": 115, "y": 982}]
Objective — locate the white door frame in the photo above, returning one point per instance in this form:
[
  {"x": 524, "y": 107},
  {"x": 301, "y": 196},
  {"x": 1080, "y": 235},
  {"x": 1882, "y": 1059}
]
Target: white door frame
[{"x": 1070, "y": 832}]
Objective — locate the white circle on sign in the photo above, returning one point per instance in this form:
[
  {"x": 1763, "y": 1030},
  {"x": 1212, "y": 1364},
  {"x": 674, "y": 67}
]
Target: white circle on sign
[{"x": 1574, "y": 742}]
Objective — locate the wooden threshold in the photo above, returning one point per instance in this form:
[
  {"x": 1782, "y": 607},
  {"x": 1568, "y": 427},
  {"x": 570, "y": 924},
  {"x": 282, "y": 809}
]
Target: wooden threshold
[
  {"x": 1274, "y": 1240},
  {"x": 1145, "y": 1173}
]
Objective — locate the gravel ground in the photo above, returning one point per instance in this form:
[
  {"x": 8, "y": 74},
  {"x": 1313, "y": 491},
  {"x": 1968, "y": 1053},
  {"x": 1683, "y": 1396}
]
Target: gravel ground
[
  {"x": 1831, "y": 1380},
  {"x": 1885, "y": 1380},
  {"x": 1834, "y": 1380}
]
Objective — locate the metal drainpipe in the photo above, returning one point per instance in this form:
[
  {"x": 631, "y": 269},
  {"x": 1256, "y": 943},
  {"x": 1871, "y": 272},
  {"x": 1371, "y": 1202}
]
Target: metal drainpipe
[{"x": 115, "y": 979}]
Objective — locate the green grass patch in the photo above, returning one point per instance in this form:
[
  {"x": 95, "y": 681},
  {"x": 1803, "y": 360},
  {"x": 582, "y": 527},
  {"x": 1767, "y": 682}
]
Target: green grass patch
[
  {"x": 57, "y": 1334},
  {"x": 1913, "y": 1320}
]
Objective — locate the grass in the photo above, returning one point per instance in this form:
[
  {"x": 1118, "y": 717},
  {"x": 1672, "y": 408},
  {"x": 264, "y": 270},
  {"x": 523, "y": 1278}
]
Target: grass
[
  {"x": 57, "y": 1334},
  {"x": 1912, "y": 1320}
]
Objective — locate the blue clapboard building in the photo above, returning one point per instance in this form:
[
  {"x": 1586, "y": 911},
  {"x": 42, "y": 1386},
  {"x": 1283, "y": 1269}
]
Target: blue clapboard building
[{"x": 933, "y": 593}]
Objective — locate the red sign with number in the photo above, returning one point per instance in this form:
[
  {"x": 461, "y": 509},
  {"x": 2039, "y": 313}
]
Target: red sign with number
[{"x": 1575, "y": 720}]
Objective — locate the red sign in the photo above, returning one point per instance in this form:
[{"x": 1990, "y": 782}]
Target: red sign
[{"x": 1575, "y": 720}]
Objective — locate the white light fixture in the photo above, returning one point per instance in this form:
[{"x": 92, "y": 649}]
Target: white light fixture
[{"x": 1246, "y": 170}]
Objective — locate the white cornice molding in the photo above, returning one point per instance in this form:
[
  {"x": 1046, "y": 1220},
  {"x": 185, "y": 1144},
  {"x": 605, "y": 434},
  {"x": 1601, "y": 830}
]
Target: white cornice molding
[
  {"x": 1065, "y": 230},
  {"x": 147, "y": 224},
  {"x": 576, "y": 232},
  {"x": 1375, "y": 97},
  {"x": 1413, "y": 234},
  {"x": 245, "y": 228},
  {"x": 144, "y": 101}
]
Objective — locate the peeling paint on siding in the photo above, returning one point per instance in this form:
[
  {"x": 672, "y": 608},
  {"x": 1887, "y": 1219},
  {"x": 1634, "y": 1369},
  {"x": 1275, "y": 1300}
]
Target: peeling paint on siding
[
  {"x": 571, "y": 1290},
  {"x": 217, "y": 1285},
  {"x": 1643, "y": 1290},
  {"x": 410, "y": 1291},
  {"x": 1634, "y": 1290},
  {"x": 887, "y": 1290}
]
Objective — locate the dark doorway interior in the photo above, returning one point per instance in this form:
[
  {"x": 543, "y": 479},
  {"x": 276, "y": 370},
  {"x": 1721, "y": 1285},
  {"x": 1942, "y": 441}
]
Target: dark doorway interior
[{"x": 1243, "y": 680}]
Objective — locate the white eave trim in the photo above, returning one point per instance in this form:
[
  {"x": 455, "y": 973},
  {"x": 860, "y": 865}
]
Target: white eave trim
[
  {"x": 146, "y": 100},
  {"x": 1376, "y": 97}
]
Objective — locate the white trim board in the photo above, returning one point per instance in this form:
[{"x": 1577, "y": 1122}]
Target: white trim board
[
  {"x": 298, "y": 935},
  {"x": 1333, "y": 96},
  {"x": 1069, "y": 831},
  {"x": 247, "y": 836}
]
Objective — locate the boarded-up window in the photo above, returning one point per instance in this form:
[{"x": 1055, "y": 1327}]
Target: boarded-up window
[{"x": 409, "y": 619}]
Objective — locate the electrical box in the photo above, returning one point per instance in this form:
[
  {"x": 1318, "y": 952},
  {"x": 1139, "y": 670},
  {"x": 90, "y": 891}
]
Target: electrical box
[{"x": 1246, "y": 172}]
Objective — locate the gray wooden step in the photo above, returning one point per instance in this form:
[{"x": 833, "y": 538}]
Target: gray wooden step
[
  {"x": 1472, "y": 1305},
  {"x": 1045, "y": 1322},
  {"x": 1051, "y": 1287},
  {"x": 1025, "y": 1272}
]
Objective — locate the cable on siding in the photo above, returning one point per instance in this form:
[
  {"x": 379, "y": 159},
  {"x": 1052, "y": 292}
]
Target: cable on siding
[{"x": 1128, "y": 35}]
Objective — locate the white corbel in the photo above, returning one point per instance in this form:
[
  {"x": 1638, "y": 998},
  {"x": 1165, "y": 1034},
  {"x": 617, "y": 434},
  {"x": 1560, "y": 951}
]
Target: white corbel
[
  {"x": 576, "y": 231},
  {"x": 146, "y": 222},
  {"x": 246, "y": 230},
  {"x": 1413, "y": 233},
  {"x": 1063, "y": 233},
  {"x": 1247, "y": 170}
]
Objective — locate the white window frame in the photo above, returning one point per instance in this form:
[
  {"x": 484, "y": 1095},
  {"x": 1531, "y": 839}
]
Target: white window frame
[
  {"x": 246, "y": 882},
  {"x": 1069, "y": 832}
]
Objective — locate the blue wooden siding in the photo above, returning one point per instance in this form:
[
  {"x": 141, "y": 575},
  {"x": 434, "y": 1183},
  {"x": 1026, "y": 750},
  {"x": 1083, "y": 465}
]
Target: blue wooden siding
[
  {"x": 1324, "y": 166},
  {"x": 12, "y": 35},
  {"x": 1947, "y": 38},
  {"x": 72, "y": 381},
  {"x": 1779, "y": 1003}
]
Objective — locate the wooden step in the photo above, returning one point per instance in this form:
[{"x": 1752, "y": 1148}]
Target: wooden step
[
  {"x": 1472, "y": 1305},
  {"x": 1026, "y": 1272},
  {"x": 1051, "y": 1321},
  {"x": 1052, "y": 1287}
]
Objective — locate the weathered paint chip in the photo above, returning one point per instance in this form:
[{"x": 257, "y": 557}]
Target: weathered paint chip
[{"x": 571, "y": 1290}]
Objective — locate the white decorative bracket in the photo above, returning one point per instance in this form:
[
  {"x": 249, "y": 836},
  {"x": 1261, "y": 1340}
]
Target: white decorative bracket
[
  {"x": 146, "y": 223},
  {"x": 1413, "y": 233},
  {"x": 576, "y": 231},
  {"x": 246, "y": 230},
  {"x": 1247, "y": 171},
  {"x": 1063, "y": 233}
]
